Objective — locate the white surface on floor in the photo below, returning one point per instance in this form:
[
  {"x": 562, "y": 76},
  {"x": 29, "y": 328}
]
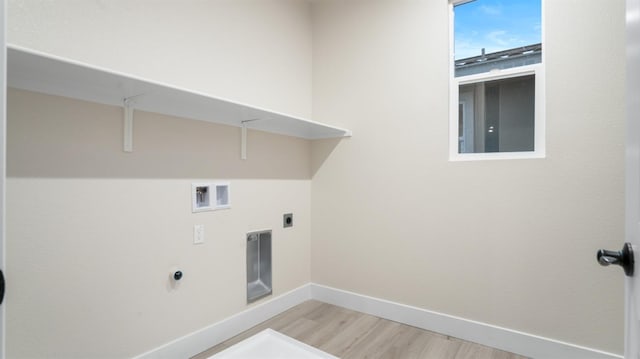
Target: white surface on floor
[{"x": 269, "y": 344}]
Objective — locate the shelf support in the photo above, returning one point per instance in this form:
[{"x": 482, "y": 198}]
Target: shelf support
[
  {"x": 243, "y": 138},
  {"x": 243, "y": 142},
  {"x": 127, "y": 105},
  {"x": 128, "y": 125}
]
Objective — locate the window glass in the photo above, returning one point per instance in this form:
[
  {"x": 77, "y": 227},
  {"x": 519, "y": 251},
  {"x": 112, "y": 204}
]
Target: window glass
[
  {"x": 496, "y": 34},
  {"x": 497, "y": 83},
  {"x": 497, "y": 116}
]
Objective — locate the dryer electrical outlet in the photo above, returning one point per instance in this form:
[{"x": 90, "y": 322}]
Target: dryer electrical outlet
[{"x": 287, "y": 220}]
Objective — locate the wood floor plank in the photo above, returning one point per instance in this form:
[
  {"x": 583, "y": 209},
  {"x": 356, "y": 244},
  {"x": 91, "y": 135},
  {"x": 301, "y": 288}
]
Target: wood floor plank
[
  {"x": 376, "y": 342},
  {"x": 327, "y": 327},
  {"x": 409, "y": 343},
  {"x": 473, "y": 351},
  {"x": 440, "y": 348},
  {"x": 353, "y": 335}
]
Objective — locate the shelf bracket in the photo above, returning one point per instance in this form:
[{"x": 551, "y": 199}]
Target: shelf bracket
[
  {"x": 128, "y": 124},
  {"x": 127, "y": 105},
  {"x": 243, "y": 141},
  {"x": 243, "y": 138}
]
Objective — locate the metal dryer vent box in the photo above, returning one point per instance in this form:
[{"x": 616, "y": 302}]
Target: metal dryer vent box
[{"x": 258, "y": 265}]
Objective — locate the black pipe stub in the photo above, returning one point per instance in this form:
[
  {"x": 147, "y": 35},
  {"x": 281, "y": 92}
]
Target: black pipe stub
[{"x": 177, "y": 275}]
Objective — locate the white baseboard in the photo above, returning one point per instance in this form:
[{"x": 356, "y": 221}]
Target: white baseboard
[
  {"x": 529, "y": 345},
  {"x": 501, "y": 338},
  {"x": 201, "y": 340}
]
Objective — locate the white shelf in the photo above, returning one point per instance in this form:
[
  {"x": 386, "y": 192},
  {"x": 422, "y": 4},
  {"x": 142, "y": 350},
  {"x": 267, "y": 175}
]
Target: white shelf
[{"x": 39, "y": 72}]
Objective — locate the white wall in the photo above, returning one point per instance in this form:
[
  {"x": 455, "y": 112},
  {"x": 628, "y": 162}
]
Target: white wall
[
  {"x": 509, "y": 243},
  {"x": 93, "y": 232}
]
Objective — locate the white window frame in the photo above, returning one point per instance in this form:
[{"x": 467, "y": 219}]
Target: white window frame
[{"x": 538, "y": 70}]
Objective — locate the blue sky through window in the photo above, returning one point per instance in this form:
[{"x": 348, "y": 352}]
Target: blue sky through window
[{"x": 496, "y": 25}]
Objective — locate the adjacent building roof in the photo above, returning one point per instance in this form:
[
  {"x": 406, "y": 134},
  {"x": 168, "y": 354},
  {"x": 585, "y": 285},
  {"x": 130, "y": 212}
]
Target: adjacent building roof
[{"x": 519, "y": 56}]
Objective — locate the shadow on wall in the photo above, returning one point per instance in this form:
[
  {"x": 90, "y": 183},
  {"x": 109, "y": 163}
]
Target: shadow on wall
[
  {"x": 57, "y": 137},
  {"x": 320, "y": 151}
]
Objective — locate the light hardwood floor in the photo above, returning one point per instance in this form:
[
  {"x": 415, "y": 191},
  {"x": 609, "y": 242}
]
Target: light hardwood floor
[{"x": 348, "y": 334}]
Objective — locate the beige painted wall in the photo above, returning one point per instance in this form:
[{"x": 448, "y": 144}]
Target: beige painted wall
[
  {"x": 510, "y": 243},
  {"x": 93, "y": 232},
  {"x": 163, "y": 146},
  {"x": 93, "y": 235},
  {"x": 250, "y": 51}
]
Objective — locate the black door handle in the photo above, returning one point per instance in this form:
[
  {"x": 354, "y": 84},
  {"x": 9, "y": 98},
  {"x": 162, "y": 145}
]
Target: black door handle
[
  {"x": 623, "y": 258},
  {"x": 1, "y": 286}
]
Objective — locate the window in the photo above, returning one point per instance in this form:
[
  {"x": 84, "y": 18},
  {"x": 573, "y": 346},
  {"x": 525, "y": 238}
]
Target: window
[{"x": 497, "y": 80}]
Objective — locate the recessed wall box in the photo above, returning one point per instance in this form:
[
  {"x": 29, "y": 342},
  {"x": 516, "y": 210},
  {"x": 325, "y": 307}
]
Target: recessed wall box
[
  {"x": 222, "y": 196},
  {"x": 287, "y": 220},
  {"x": 258, "y": 265},
  {"x": 201, "y": 197},
  {"x": 210, "y": 196}
]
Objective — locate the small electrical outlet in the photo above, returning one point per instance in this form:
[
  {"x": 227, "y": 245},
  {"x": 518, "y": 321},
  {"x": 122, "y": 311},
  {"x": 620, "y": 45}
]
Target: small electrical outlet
[
  {"x": 287, "y": 220},
  {"x": 198, "y": 234}
]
